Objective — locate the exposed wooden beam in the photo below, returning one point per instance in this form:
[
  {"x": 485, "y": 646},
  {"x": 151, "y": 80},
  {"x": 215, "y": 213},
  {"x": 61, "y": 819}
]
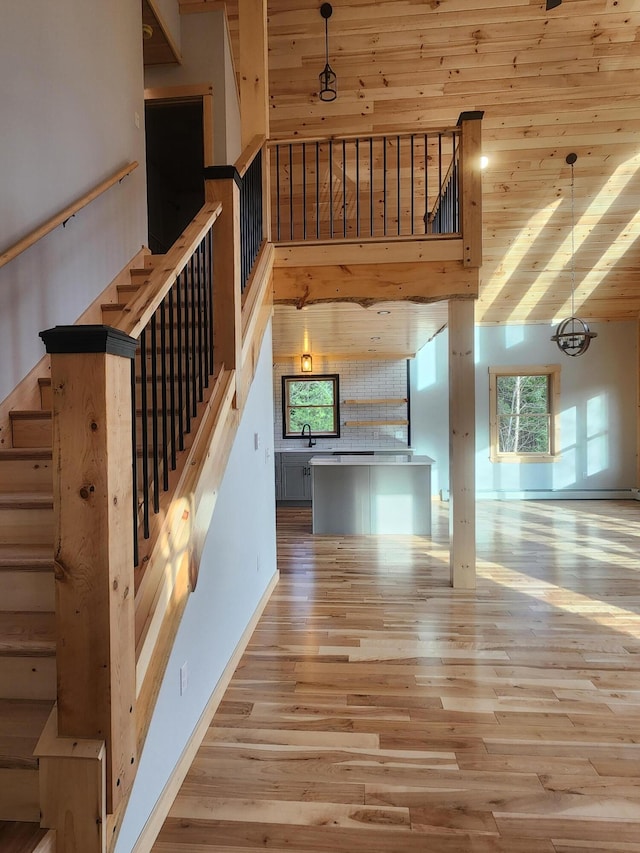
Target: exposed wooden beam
[{"x": 369, "y": 283}]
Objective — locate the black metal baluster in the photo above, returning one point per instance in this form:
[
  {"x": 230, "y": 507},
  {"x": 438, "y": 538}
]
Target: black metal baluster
[
  {"x": 384, "y": 185},
  {"x": 194, "y": 342},
  {"x": 290, "y": 191},
  {"x": 205, "y": 310},
  {"x": 413, "y": 190},
  {"x": 317, "y": 190},
  {"x": 398, "y": 171},
  {"x": 179, "y": 335},
  {"x": 344, "y": 188},
  {"x": 440, "y": 205},
  {"x": 304, "y": 191},
  {"x": 357, "y": 187},
  {"x": 154, "y": 414},
  {"x": 278, "y": 191},
  {"x": 172, "y": 375},
  {"x": 163, "y": 393},
  {"x": 144, "y": 433},
  {"x": 210, "y": 292},
  {"x": 199, "y": 314},
  {"x": 134, "y": 466},
  {"x": 426, "y": 185},
  {"x": 331, "y": 188},
  {"x": 371, "y": 186}
]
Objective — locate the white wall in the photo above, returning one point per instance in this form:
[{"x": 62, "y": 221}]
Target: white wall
[
  {"x": 358, "y": 380},
  {"x": 207, "y": 60},
  {"x": 238, "y": 562},
  {"x": 72, "y": 84},
  {"x": 598, "y": 404}
]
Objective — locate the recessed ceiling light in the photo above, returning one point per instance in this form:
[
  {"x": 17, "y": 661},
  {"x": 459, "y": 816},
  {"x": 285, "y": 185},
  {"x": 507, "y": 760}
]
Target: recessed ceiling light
[
  {"x": 372, "y": 350},
  {"x": 384, "y": 312},
  {"x": 375, "y": 338}
]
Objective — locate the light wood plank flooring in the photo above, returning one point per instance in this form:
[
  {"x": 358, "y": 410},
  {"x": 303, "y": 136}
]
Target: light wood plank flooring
[{"x": 377, "y": 710}]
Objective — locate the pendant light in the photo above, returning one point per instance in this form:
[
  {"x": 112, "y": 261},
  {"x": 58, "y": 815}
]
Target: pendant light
[
  {"x": 572, "y": 335},
  {"x": 328, "y": 90}
]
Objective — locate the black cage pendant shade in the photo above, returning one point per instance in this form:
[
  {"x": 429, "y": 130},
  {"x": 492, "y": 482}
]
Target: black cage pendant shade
[
  {"x": 572, "y": 335},
  {"x": 328, "y": 82}
]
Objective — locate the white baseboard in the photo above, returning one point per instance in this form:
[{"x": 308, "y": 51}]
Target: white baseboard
[{"x": 560, "y": 495}]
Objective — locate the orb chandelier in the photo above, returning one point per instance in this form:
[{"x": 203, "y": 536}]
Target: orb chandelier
[{"x": 572, "y": 335}]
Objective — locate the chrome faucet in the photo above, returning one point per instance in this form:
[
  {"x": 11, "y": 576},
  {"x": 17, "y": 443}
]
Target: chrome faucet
[{"x": 312, "y": 441}]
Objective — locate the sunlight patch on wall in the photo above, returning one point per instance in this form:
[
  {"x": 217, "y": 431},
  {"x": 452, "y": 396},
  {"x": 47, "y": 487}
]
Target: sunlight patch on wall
[
  {"x": 597, "y": 435},
  {"x": 426, "y": 366},
  {"x": 513, "y": 257},
  {"x": 513, "y": 336},
  {"x": 566, "y": 468}
]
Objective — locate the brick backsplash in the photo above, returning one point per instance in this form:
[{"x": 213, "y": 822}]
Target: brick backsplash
[{"x": 358, "y": 380}]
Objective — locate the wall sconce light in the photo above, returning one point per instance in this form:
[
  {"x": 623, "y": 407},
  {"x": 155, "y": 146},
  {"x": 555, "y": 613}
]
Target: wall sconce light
[
  {"x": 306, "y": 363},
  {"x": 328, "y": 80},
  {"x": 147, "y": 32}
]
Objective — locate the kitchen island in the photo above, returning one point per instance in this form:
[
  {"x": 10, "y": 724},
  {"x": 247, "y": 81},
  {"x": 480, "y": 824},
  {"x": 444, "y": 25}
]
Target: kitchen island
[{"x": 371, "y": 494}]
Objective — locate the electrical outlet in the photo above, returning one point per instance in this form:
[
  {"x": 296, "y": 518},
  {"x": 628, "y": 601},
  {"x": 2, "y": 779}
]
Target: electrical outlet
[{"x": 184, "y": 678}]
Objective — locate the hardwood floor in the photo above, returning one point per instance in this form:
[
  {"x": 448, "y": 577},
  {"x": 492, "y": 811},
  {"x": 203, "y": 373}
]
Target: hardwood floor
[{"x": 377, "y": 710}]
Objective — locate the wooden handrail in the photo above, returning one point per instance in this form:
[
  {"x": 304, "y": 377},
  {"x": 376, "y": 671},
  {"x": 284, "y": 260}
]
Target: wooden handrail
[
  {"x": 247, "y": 157},
  {"x": 61, "y": 217},
  {"x": 298, "y": 140},
  {"x": 138, "y": 312}
]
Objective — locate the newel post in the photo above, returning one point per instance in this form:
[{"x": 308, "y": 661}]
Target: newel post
[
  {"x": 93, "y": 556},
  {"x": 222, "y": 183},
  {"x": 471, "y": 187}
]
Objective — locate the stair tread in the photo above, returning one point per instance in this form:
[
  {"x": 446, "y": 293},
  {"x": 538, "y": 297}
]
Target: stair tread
[
  {"x": 20, "y": 836},
  {"x": 26, "y": 500},
  {"x": 11, "y": 454},
  {"x": 30, "y": 414},
  {"x": 26, "y": 557},
  {"x": 27, "y": 633}
]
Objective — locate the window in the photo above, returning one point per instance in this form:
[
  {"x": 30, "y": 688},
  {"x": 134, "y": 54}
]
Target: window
[
  {"x": 312, "y": 401},
  {"x": 523, "y": 413}
]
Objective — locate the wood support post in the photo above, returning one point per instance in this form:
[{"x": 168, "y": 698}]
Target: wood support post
[
  {"x": 471, "y": 187},
  {"x": 462, "y": 435},
  {"x": 223, "y": 185},
  {"x": 93, "y": 547},
  {"x": 254, "y": 72}
]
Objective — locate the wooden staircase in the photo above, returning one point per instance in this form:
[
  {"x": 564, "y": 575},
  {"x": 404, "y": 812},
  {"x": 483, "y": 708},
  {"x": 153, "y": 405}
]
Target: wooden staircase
[{"x": 27, "y": 611}]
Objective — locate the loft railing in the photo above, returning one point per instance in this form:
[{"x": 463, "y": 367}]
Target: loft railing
[
  {"x": 360, "y": 187},
  {"x": 168, "y": 379},
  {"x": 64, "y": 215}
]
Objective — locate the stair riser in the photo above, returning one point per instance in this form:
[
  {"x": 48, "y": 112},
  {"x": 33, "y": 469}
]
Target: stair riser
[
  {"x": 26, "y": 475},
  {"x": 27, "y": 590},
  {"x": 24, "y": 677},
  {"x": 19, "y": 795},
  {"x": 26, "y": 526},
  {"x": 27, "y": 432}
]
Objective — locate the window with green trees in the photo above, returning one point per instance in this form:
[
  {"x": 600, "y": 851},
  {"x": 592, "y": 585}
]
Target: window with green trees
[
  {"x": 312, "y": 401},
  {"x": 523, "y": 404}
]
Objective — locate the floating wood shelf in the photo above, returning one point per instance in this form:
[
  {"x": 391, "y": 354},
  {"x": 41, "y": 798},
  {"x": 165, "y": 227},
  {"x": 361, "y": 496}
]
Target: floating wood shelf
[
  {"x": 384, "y": 401},
  {"x": 376, "y": 423}
]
